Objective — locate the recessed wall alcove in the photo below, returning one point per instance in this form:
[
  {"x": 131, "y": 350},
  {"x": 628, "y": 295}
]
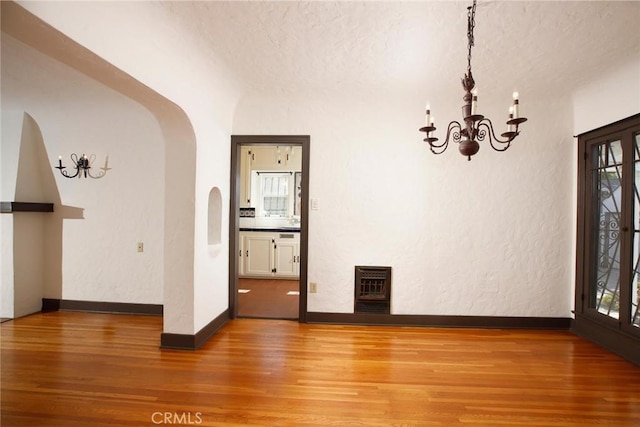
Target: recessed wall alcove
[{"x": 214, "y": 221}]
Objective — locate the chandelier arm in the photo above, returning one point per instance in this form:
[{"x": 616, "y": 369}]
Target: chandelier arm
[
  {"x": 456, "y": 136},
  {"x": 452, "y": 135},
  {"x": 504, "y": 144}
]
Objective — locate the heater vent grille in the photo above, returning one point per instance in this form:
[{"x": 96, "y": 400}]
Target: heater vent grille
[{"x": 372, "y": 289}]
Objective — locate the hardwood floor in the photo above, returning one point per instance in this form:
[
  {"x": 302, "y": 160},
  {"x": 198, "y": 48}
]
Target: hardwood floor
[
  {"x": 268, "y": 298},
  {"x": 79, "y": 369}
]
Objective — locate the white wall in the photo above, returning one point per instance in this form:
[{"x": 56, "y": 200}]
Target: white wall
[
  {"x": 207, "y": 93},
  {"x": 9, "y": 152},
  {"x": 97, "y": 223},
  {"x": 612, "y": 97},
  {"x": 486, "y": 237}
]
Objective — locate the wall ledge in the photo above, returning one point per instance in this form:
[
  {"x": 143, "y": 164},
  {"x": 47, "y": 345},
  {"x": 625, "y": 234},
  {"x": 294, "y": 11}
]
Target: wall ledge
[{"x": 12, "y": 207}]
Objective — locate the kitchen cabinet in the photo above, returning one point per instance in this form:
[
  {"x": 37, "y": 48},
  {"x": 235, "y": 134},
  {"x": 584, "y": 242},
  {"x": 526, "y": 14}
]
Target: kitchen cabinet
[
  {"x": 287, "y": 255},
  {"x": 245, "y": 176},
  {"x": 265, "y": 159},
  {"x": 269, "y": 254},
  {"x": 275, "y": 158},
  {"x": 259, "y": 252}
]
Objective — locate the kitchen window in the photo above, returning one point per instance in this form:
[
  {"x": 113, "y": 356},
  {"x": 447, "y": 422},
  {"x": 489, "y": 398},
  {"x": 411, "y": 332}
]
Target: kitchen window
[{"x": 275, "y": 191}]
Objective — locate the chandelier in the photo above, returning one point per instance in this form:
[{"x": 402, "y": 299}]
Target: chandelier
[
  {"x": 476, "y": 127},
  {"x": 82, "y": 167}
]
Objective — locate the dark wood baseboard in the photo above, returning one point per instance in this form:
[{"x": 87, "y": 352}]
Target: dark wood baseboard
[
  {"x": 193, "y": 342},
  {"x": 49, "y": 304},
  {"x": 624, "y": 345},
  {"x": 441, "y": 321}
]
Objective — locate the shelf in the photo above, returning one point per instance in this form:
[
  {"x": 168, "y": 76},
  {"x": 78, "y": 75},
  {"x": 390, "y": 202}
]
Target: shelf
[{"x": 11, "y": 207}]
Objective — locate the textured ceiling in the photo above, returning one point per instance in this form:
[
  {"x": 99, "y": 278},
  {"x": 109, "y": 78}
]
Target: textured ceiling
[{"x": 404, "y": 47}]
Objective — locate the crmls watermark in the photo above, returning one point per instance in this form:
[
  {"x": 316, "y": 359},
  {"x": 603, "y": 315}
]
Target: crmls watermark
[{"x": 177, "y": 418}]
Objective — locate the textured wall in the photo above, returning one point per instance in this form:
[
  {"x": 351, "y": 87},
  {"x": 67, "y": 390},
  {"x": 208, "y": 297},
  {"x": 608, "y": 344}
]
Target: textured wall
[
  {"x": 97, "y": 223},
  {"x": 612, "y": 97},
  {"x": 9, "y": 152},
  {"x": 204, "y": 92},
  {"x": 488, "y": 237}
]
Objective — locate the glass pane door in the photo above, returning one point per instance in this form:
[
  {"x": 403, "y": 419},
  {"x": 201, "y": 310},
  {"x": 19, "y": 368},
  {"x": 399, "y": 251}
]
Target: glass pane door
[
  {"x": 607, "y": 216},
  {"x": 635, "y": 289}
]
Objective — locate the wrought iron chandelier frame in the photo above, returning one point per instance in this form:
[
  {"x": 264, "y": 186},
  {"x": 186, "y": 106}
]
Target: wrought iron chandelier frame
[{"x": 475, "y": 127}]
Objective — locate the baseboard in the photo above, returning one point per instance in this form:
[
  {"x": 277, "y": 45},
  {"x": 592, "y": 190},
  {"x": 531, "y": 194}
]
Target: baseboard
[
  {"x": 193, "y": 342},
  {"x": 624, "y": 345},
  {"x": 50, "y": 304},
  {"x": 441, "y": 321}
]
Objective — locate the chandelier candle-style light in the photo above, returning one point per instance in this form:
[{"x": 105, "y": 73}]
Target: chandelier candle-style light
[
  {"x": 476, "y": 126},
  {"x": 82, "y": 167}
]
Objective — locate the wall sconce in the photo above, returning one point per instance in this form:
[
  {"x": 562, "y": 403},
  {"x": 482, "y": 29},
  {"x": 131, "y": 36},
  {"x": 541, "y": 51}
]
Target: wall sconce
[{"x": 82, "y": 165}]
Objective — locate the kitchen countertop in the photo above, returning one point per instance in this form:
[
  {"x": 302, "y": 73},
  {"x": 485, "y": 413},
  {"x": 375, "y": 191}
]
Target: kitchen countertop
[{"x": 272, "y": 229}]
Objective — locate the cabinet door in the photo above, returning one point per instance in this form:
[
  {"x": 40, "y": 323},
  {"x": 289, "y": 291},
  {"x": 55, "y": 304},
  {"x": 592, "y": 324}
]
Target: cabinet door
[
  {"x": 294, "y": 159},
  {"x": 245, "y": 176},
  {"x": 264, "y": 158},
  {"x": 241, "y": 256},
  {"x": 287, "y": 257},
  {"x": 258, "y": 252}
]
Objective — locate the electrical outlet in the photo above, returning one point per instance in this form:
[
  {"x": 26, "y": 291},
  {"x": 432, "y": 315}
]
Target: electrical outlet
[
  {"x": 313, "y": 287},
  {"x": 140, "y": 247}
]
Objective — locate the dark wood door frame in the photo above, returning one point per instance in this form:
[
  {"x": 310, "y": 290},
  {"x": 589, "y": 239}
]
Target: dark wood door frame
[{"x": 237, "y": 141}]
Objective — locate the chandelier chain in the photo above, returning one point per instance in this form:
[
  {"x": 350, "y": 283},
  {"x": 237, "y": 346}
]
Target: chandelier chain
[{"x": 471, "y": 24}]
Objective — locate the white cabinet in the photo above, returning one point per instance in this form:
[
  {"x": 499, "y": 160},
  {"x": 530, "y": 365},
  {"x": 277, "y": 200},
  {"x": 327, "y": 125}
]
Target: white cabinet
[
  {"x": 245, "y": 177},
  {"x": 258, "y": 248},
  {"x": 269, "y": 254},
  {"x": 287, "y": 255},
  {"x": 264, "y": 159},
  {"x": 276, "y": 158}
]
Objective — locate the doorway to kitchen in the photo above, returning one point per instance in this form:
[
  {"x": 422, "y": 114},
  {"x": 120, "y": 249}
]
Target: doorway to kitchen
[{"x": 268, "y": 226}]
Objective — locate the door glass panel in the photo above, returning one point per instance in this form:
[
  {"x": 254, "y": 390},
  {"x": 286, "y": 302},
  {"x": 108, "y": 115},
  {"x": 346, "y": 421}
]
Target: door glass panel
[
  {"x": 607, "y": 179},
  {"x": 635, "y": 288}
]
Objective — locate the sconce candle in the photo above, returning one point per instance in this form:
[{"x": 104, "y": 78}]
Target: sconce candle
[
  {"x": 428, "y": 119},
  {"x": 516, "y": 105}
]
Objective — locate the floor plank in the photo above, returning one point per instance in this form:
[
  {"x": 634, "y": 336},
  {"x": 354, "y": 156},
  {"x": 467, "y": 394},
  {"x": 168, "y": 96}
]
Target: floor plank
[{"x": 80, "y": 369}]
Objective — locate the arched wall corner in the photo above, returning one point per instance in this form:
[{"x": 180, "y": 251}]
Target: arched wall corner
[{"x": 179, "y": 144}]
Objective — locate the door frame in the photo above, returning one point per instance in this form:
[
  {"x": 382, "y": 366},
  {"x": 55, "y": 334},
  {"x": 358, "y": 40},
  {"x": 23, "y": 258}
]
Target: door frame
[
  {"x": 237, "y": 141},
  {"x": 614, "y": 334}
]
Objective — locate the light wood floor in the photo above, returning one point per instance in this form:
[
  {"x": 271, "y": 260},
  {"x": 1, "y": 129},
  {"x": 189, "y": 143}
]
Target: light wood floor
[
  {"x": 268, "y": 298},
  {"x": 78, "y": 369}
]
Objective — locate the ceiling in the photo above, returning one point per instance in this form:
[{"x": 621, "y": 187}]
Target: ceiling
[{"x": 408, "y": 47}]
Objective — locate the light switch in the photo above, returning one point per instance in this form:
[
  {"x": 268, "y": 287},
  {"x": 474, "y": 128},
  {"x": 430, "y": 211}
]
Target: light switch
[{"x": 314, "y": 205}]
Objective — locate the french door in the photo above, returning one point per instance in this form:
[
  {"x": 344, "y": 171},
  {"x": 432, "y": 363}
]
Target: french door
[{"x": 608, "y": 276}]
